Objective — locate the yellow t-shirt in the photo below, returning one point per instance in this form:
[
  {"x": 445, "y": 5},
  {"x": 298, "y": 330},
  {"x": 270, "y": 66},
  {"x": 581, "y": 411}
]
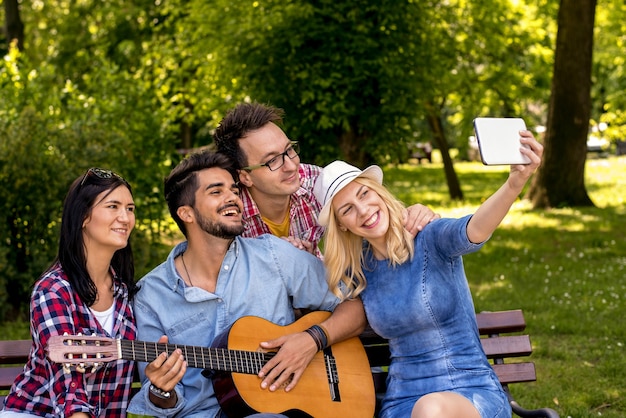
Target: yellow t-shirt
[{"x": 281, "y": 229}]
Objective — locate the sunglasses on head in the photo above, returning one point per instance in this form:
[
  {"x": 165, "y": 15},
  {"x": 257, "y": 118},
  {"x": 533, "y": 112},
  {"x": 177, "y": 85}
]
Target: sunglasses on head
[{"x": 101, "y": 173}]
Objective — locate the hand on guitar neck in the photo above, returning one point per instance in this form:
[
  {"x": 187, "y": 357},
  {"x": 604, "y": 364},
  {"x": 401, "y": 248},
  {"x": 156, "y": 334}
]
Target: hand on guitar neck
[
  {"x": 165, "y": 372},
  {"x": 281, "y": 371}
]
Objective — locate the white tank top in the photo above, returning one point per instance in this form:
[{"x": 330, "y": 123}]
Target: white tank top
[{"x": 105, "y": 318}]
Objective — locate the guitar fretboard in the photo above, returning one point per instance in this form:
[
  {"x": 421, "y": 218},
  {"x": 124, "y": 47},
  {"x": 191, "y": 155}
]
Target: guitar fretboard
[{"x": 238, "y": 361}]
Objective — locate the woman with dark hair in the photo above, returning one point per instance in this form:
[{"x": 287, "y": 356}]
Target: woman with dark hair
[{"x": 87, "y": 290}]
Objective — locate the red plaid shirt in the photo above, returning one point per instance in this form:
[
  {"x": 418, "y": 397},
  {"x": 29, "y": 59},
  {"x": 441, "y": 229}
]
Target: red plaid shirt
[
  {"x": 43, "y": 388},
  {"x": 303, "y": 211}
]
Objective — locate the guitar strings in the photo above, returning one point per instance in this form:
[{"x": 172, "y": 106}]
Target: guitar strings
[{"x": 240, "y": 361}]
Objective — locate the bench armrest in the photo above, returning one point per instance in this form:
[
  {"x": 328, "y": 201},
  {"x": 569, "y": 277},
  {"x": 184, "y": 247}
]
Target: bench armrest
[
  {"x": 533, "y": 413},
  {"x": 529, "y": 413}
]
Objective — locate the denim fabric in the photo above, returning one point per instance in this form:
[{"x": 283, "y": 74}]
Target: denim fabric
[
  {"x": 259, "y": 276},
  {"x": 425, "y": 308},
  {"x": 11, "y": 414}
]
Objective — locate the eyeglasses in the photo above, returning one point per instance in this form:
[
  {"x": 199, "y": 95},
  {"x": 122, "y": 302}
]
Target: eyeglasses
[
  {"x": 278, "y": 161},
  {"x": 100, "y": 173}
]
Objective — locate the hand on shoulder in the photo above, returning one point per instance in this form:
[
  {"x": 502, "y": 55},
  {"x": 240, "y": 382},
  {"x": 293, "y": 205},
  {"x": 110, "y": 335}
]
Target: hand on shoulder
[{"x": 301, "y": 244}]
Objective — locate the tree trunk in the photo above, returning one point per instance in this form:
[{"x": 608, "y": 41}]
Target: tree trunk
[
  {"x": 560, "y": 181},
  {"x": 351, "y": 148},
  {"x": 13, "y": 26},
  {"x": 434, "y": 121}
]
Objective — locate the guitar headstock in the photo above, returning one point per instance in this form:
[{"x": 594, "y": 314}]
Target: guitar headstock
[{"x": 82, "y": 351}]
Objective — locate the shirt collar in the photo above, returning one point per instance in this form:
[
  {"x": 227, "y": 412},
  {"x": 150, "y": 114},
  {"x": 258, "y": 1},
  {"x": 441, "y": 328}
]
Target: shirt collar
[{"x": 175, "y": 279}]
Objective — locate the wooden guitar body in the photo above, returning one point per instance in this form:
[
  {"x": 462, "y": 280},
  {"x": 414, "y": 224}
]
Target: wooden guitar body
[{"x": 352, "y": 396}]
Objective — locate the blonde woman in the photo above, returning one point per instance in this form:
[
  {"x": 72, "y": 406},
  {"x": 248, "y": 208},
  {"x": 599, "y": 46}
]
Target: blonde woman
[{"x": 415, "y": 291}]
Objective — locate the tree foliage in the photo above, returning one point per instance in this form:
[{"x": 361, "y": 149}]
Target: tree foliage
[
  {"x": 132, "y": 85},
  {"x": 607, "y": 91},
  {"x": 363, "y": 80},
  {"x": 56, "y": 122}
]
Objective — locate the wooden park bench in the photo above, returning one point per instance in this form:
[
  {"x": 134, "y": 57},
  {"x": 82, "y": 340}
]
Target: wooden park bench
[
  {"x": 498, "y": 347},
  {"x": 492, "y": 325}
]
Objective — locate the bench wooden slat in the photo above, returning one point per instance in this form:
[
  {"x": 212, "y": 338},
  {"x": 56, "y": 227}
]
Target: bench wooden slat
[
  {"x": 495, "y": 347},
  {"x": 14, "y": 352},
  {"x": 8, "y": 375},
  {"x": 507, "y": 346},
  {"x": 490, "y": 323},
  {"x": 507, "y": 373},
  {"x": 515, "y": 372}
]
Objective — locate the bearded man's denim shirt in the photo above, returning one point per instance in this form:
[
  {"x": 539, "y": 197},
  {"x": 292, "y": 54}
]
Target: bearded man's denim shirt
[{"x": 266, "y": 277}]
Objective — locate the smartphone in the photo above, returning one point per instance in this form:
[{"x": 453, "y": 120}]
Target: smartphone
[{"x": 499, "y": 140}]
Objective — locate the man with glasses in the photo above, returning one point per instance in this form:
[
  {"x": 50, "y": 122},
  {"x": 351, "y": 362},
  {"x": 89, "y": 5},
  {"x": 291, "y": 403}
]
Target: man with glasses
[{"x": 278, "y": 194}]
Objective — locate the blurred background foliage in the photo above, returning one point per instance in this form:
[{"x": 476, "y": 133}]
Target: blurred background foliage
[{"x": 134, "y": 85}]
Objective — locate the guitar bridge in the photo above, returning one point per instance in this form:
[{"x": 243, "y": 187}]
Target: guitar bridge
[{"x": 331, "y": 374}]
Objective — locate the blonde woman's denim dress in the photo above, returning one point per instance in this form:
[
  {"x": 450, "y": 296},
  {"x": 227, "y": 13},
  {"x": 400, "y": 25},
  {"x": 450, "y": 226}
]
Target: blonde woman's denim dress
[{"x": 425, "y": 308}]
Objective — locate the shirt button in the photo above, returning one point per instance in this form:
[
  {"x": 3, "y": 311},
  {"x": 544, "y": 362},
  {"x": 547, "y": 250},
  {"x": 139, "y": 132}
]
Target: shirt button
[
  {"x": 73, "y": 384},
  {"x": 226, "y": 267}
]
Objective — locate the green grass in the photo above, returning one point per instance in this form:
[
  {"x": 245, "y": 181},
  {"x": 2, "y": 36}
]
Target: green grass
[{"x": 566, "y": 268}]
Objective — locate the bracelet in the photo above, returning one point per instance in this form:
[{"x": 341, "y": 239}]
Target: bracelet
[
  {"x": 319, "y": 335},
  {"x": 160, "y": 393},
  {"x": 325, "y": 334}
]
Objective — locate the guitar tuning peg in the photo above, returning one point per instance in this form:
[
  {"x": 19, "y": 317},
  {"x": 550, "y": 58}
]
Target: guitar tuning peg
[
  {"x": 80, "y": 368},
  {"x": 66, "y": 368},
  {"x": 95, "y": 367}
]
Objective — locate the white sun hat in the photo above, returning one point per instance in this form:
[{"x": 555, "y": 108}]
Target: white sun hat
[{"x": 334, "y": 177}]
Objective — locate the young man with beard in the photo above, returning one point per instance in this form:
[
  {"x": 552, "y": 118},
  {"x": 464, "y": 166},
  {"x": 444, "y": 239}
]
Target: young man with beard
[{"x": 216, "y": 277}]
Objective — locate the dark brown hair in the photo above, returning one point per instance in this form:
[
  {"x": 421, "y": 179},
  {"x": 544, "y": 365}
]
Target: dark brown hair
[{"x": 240, "y": 120}]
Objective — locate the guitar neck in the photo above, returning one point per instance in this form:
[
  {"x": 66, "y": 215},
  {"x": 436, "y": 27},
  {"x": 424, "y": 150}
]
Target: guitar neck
[{"x": 237, "y": 361}]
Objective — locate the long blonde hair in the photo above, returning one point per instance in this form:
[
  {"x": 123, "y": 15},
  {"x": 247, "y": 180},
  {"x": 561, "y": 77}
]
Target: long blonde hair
[{"x": 344, "y": 251}]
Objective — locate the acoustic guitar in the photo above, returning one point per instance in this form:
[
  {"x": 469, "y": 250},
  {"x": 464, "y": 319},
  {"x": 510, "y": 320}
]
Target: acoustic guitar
[{"x": 337, "y": 383}]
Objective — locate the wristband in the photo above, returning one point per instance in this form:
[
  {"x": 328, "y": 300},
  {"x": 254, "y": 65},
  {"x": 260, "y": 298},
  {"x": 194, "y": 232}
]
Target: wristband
[
  {"x": 319, "y": 335},
  {"x": 160, "y": 393}
]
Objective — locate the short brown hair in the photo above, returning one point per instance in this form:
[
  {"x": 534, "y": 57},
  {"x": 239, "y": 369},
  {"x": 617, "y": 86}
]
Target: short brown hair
[{"x": 240, "y": 120}]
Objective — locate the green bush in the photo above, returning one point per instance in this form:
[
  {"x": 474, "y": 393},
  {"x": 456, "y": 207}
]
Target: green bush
[{"x": 52, "y": 132}]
